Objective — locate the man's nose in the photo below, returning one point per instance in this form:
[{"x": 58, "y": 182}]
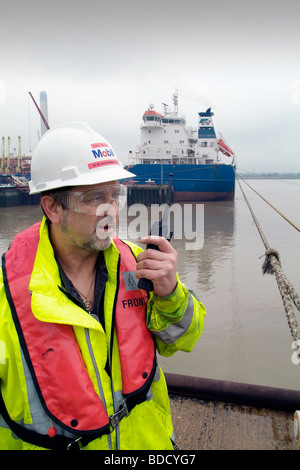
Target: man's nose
[{"x": 105, "y": 210}]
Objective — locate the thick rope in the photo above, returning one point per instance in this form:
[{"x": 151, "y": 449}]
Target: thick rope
[
  {"x": 278, "y": 211},
  {"x": 272, "y": 265}
]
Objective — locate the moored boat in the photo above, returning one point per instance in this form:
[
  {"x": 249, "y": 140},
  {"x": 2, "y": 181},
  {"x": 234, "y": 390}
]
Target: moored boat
[{"x": 191, "y": 156}]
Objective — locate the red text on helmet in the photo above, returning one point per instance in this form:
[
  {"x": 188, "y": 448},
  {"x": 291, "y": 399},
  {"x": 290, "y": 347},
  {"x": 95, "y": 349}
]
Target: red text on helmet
[{"x": 108, "y": 152}]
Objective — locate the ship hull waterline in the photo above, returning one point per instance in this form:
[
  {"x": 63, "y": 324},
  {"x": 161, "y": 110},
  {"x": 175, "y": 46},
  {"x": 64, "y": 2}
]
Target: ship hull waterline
[
  {"x": 189, "y": 196},
  {"x": 190, "y": 182}
]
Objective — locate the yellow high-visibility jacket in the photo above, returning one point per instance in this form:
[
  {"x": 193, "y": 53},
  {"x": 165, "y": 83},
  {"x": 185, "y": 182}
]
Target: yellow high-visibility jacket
[{"x": 175, "y": 323}]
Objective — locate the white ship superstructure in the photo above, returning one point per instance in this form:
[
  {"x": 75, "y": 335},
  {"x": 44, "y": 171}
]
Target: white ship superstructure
[{"x": 165, "y": 139}]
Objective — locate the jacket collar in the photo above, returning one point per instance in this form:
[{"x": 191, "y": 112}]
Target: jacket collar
[{"x": 48, "y": 301}]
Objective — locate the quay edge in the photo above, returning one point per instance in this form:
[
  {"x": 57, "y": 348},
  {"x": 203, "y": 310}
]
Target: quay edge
[{"x": 213, "y": 414}]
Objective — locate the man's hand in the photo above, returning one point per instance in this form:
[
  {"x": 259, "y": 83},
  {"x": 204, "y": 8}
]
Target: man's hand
[{"x": 158, "y": 266}]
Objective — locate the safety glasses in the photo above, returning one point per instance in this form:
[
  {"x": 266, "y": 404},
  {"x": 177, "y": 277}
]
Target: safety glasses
[{"x": 92, "y": 201}]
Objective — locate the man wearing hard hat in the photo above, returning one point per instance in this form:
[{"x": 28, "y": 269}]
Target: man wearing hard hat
[{"x": 79, "y": 367}]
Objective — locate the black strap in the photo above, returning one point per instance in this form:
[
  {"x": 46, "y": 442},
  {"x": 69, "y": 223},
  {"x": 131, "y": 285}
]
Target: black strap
[
  {"x": 66, "y": 443},
  {"x": 52, "y": 443}
]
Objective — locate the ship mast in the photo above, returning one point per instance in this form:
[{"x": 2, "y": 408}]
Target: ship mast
[
  {"x": 19, "y": 161},
  {"x": 8, "y": 155},
  {"x": 3, "y": 153},
  {"x": 175, "y": 102}
]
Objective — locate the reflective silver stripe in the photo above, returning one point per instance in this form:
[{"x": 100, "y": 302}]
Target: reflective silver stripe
[
  {"x": 156, "y": 374},
  {"x": 119, "y": 399},
  {"x": 175, "y": 330},
  {"x": 3, "y": 423},
  {"x": 87, "y": 337}
]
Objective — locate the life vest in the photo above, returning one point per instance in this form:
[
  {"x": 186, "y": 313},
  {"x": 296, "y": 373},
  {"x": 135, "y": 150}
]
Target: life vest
[{"x": 60, "y": 377}]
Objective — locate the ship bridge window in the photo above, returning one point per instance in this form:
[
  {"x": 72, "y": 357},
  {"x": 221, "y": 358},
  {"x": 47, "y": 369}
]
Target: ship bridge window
[
  {"x": 172, "y": 121},
  {"x": 153, "y": 118}
]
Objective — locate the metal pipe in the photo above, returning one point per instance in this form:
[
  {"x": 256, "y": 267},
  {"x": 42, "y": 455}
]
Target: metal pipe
[
  {"x": 3, "y": 153},
  {"x": 8, "y": 155},
  {"x": 40, "y": 112},
  {"x": 233, "y": 392},
  {"x": 19, "y": 161}
]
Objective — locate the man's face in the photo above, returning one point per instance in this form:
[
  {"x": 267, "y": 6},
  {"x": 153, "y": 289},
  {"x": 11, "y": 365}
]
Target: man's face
[{"x": 90, "y": 219}]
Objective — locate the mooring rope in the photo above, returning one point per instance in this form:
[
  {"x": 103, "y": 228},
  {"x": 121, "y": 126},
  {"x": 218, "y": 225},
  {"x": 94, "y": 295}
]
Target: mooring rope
[
  {"x": 272, "y": 265},
  {"x": 280, "y": 213}
]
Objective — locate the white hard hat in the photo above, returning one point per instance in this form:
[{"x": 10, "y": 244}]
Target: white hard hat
[{"x": 73, "y": 154}]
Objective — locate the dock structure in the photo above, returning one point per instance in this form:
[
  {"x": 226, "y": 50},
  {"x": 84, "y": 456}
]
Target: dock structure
[
  {"x": 17, "y": 197},
  {"x": 215, "y": 425},
  {"x": 211, "y": 414},
  {"x": 11, "y": 195},
  {"x": 147, "y": 194}
]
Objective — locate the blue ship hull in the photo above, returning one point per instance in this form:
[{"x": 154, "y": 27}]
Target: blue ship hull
[{"x": 190, "y": 182}]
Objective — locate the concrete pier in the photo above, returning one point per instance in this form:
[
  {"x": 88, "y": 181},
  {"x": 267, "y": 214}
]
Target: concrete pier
[
  {"x": 10, "y": 197},
  {"x": 211, "y": 414},
  {"x": 147, "y": 194},
  {"x": 213, "y": 425}
]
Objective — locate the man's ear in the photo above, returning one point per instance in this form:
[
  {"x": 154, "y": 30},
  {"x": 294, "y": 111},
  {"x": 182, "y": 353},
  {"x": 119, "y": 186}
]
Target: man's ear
[{"x": 52, "y": 209}]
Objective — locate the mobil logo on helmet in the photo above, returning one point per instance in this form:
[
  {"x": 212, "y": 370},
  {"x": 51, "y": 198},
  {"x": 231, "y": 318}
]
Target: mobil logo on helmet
[{"x": 102, "y": 150}]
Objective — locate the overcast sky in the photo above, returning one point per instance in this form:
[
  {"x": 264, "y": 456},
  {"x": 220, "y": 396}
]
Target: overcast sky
[{"x": 104, "y": 62}]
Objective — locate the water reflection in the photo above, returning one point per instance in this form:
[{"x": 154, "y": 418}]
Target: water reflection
[
  {"x": 246, "y": 337},
  {"x": 15, "y": 219},
  {"x": 219, "y": 229},
  {"x": 207, "y": 236},
  {"x": 196, "y": 266}
]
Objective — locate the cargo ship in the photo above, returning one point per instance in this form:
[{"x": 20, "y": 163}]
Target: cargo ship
[{"x": 190, "y": 155}]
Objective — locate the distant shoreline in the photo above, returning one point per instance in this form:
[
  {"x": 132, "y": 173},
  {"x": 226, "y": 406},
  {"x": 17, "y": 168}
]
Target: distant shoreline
[{"x": 283, "y": 176}]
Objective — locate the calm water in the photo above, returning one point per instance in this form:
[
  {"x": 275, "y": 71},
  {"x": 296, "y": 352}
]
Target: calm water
[{"x": 246, "y": 336}]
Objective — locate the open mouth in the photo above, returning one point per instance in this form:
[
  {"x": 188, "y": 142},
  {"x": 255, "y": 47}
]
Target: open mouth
[{"x": 106, "y": 227}]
